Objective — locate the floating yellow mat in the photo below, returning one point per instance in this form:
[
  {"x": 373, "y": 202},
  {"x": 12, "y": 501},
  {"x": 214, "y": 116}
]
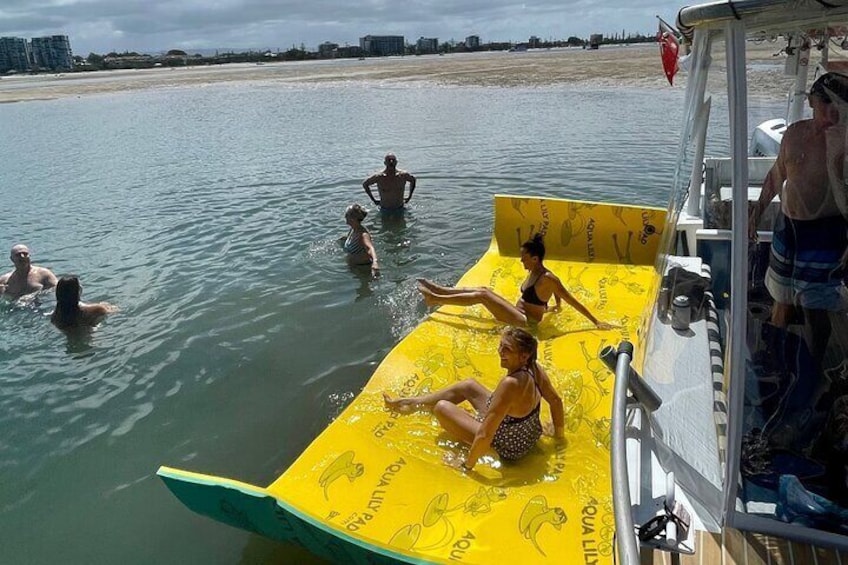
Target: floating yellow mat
[{"x": 373, "y": 487}]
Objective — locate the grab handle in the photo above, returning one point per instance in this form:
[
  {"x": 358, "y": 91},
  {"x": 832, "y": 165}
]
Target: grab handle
[
  {"x": 641, "y": 390},
  {"x": 628, "y": 550}
]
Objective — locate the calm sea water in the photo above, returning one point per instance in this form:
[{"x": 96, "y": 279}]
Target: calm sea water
[{"x": 210, "y": 215}]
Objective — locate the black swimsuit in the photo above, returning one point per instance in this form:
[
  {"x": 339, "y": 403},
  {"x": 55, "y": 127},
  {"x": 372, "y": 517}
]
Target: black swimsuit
[
  {"x": 515, "y": 437},
  {"x": 529, "y": 295}
]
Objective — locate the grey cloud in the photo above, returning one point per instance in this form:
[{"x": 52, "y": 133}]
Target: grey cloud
[{"x": 105, "y": 25}]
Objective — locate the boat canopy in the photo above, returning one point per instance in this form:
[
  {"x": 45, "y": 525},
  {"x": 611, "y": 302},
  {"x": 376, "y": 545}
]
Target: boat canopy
[
  {"x": 761, "y": 15},
  {"x": 779, "y": 379}
]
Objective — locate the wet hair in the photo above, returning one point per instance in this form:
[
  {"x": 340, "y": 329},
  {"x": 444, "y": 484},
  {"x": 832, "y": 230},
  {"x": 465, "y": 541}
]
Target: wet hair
[
  {"x": 525, "y": 342},
  {"x": 356, "y": 212},
  {"x": 830, "y": 87},
  {"x": 535, "y": 246},
  {"x": 68, "y": 293}
]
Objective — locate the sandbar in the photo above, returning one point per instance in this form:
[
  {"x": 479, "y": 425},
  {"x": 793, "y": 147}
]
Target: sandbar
[{"x": 609, "y": 66}]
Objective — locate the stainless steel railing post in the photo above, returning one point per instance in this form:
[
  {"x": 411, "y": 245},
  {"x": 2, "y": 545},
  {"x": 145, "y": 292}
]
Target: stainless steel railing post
[{"x": 628, "y": 549}]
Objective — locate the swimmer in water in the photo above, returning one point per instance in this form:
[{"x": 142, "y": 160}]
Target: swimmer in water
[
  {"x": 71, "y": 312},
  {"x": 358, "y": 245},
  {"x": 25, "y": 278},
  {"x": 391, "y": 183}
]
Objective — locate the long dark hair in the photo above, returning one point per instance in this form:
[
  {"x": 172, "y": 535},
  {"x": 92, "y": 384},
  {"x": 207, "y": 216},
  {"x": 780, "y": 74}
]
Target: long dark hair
[
  {"x": 535, "y": 246},
  {"x": 68, "y": 293}
]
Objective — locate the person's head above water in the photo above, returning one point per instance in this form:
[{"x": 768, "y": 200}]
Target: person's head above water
[
  {"x": 355, "y": 212},
  {"x": 390, "y": 160},
  {"x": 20, "y": 255},
  {"x": 68, "y": 292},
  {"x": 535, "y": 247}
]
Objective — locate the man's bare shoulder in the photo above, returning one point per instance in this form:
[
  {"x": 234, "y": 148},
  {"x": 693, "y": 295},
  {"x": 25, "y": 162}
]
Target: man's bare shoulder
[
  {"x": 801, "y": 127},
  {"x": 795, "y": 139},
  {"x": 44, "y": 274},
  {"x": 4, "y": 278}
]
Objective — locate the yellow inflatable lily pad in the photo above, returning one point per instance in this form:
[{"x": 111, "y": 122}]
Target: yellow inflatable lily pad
[{"x": 375, "y": 487}]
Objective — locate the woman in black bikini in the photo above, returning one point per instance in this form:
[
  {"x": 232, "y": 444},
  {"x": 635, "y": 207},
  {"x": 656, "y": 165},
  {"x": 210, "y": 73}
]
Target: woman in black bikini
[
  {"x": 507, "y": 419},
  {"x": 536, "y": 292}
]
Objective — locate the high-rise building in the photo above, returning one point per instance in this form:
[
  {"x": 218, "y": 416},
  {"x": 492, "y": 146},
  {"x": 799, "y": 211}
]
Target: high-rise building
[
  {"x": 15, "y": 55},
  {"x": 427, "y": 45},
  {"x": 472, "y": 42},
  {"x": 382, "y": 45},
  {"x": 52, "y": 52}
]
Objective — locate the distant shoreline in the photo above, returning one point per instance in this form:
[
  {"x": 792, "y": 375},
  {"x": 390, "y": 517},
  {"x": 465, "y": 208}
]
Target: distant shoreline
[{"x": 637, "y": 65}]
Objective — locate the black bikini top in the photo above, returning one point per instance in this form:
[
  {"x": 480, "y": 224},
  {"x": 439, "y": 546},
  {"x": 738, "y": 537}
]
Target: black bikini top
[{"x": 529, "y": 295}]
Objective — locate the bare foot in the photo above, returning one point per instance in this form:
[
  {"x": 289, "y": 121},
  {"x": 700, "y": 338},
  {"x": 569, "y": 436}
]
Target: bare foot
[
  {"x": 428, "y": 284},
  {"x": 429, "y": 297},
  {"x": 401, "y": 405}
]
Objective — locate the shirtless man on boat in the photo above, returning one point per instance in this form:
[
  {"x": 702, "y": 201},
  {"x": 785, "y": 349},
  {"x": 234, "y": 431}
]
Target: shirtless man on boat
[
  {"x": 806, "y": 262},
  {"x": 25, "y": 278},
  {"x": 391, "y": 183}
]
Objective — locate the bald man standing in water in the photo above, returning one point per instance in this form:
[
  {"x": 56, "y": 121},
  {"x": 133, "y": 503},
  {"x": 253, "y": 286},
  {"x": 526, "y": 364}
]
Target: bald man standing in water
[
  {"x": 391, "y": 183},
  {"x": 26, "y": 278}
]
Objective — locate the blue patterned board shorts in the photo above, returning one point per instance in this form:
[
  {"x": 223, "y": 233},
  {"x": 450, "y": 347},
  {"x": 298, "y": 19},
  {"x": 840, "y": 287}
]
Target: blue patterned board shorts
[{"x": 805, "y": 262}]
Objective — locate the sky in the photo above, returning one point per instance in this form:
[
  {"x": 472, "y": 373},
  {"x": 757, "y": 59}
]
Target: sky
[{"x": 153, "y": 26}]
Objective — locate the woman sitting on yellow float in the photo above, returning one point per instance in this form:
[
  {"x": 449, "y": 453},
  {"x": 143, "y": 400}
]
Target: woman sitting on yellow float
[{"x": 508, "y": 419}]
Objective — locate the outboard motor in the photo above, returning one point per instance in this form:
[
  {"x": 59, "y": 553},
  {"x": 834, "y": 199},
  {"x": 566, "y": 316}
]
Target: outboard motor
[{"x": 765, "y": 141}]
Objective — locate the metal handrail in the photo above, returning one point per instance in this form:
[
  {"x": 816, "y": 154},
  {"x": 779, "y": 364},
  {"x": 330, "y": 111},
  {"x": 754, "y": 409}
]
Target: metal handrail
[
  {"x": 628, "y": 549},
  {"x": 642, "y": 391}
]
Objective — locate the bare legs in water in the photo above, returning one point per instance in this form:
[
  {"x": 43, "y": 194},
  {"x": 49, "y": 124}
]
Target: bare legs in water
[
  {"x": 436, "y": 295},
  {"x": 443, "y": 404}
]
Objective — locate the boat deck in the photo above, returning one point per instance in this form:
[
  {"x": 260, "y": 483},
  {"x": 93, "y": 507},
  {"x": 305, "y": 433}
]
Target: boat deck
[{"x": 732, "y": 547}]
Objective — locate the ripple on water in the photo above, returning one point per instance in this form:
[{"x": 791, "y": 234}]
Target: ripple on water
[{"x": 213, "y": 225}]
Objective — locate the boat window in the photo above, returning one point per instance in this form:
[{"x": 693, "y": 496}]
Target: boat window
[
  {"x": 794, "y": 444},
  {"x": 792, "y": 377},
  {"x": 687, "y": 394}
]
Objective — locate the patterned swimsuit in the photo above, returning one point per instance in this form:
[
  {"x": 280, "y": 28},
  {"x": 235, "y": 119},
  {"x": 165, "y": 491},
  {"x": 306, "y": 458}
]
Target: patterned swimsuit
[
  {"x": 515, "y": 437},
  {"x": 353, "y": 243}
]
